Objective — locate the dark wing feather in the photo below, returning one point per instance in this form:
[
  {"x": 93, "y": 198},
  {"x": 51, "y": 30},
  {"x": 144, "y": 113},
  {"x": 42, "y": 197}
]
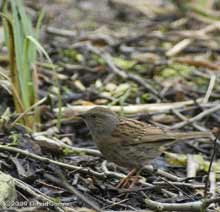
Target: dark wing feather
[{"x": 134, "y": 132}]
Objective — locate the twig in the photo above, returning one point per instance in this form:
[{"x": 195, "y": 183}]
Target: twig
[
  {"x": 122, "y": 73},
  {"x": 197, "y": 62},
  {"x": 211, "y": 162},
  {"x": 163, "y": 173},
  {"x": 125, "y": 75},
  {"x": 179, "y": 47},
  {"x": 61, "y": 32},
  {"x": 183, "y": 118},
  {"x": 177, "y": 188},
  {"x": 212, "y": 180},
  {"x": 57, "y": 145},
  {"x": 35, "y": 193},
  {"x": 190, "y": 206},
  {"x": 62, "y": 181},
  {"x": 67, "y": 209},
  {"x": 210, "y": 88},
  {"x": 110, "y": 173},
  {"x": 197, "y": 117},
  {"x": 192, "y": 166},
  {"x": 28, "y": 110},
  {"x": 143, "y": 183},
  {"x": 182, "y": 184},
  {"x": 47, "y": 160},
  {"x": 131, "y": 109},
  {"x": 29, "y": 209},
  {"x": 72, "y": 167},
  {"x": 198, "y": 34},
  {"x": 190, "y": 36}
]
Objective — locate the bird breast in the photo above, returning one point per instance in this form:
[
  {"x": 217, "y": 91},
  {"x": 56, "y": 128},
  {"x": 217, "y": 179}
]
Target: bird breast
[{"x": 125, "y": 155}]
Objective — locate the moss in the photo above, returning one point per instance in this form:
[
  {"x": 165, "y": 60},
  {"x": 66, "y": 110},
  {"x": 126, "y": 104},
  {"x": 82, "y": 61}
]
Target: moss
[
  {"x": 72, "y": 54},
  {"x": 145, "y": 97},
  {"x": 98, "y": 59},
  {"x": 14, "y": 138},
  {"x": 176, "y": 70},
  {"x": 67, "y": 151},
  {"x": 123, "y": 63}
]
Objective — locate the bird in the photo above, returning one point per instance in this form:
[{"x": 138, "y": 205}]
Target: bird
[{"x": 128, "y": 142}]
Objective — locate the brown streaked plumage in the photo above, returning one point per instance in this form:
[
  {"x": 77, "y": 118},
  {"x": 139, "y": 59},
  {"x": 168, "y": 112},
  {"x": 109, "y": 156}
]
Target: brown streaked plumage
[{"x": 128, "y": 142}]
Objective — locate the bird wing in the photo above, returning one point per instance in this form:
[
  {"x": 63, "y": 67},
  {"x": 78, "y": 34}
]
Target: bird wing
[{"x": 133, "y": 132}]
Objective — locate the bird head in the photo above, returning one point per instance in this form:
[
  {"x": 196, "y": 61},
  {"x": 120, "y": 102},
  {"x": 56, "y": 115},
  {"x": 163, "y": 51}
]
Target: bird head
[{"x": 100, "y": 121}]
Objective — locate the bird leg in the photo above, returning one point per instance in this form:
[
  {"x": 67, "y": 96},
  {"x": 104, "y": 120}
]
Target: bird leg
[{"x": 124, "y": 182}]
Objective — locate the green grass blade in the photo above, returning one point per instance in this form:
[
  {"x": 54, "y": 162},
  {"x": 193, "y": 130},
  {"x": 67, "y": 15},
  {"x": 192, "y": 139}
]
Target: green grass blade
[{"x": 42, "y": 50}]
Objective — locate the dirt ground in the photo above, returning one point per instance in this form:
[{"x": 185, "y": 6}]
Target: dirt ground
[{"x": 157, "y": 62}]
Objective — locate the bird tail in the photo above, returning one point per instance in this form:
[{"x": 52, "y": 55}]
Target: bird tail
[{"x": 191, "y": 135}]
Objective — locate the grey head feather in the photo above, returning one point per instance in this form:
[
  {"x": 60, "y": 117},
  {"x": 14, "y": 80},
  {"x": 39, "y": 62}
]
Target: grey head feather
[{"x": 100, "y": 121}]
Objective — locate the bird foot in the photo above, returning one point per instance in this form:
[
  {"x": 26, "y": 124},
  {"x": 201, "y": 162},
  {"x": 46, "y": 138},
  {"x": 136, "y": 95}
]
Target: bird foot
[{"x": 129, "y": 181}]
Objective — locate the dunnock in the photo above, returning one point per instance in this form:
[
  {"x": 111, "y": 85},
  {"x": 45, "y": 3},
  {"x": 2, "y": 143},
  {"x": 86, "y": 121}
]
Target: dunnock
[{"x": 128, "y": 142}]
